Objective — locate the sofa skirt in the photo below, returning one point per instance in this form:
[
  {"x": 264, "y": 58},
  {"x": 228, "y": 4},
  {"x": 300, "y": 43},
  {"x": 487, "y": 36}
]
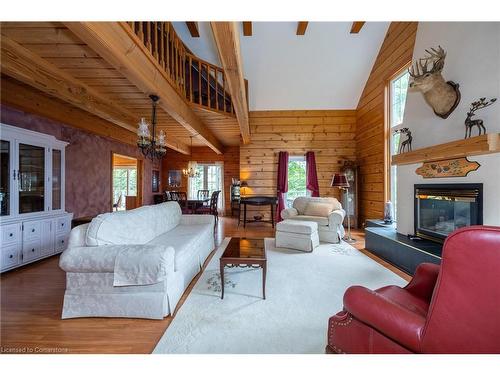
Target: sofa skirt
[{"x": 93, "y": 295}]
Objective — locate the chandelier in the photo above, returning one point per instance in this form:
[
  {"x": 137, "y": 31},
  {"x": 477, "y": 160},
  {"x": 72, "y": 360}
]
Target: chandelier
[
  {"x": 152, "y": 147},
  {"x": 191, "y": 171}
]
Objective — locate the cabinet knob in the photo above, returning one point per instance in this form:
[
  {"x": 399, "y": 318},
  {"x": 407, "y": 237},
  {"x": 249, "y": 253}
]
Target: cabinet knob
[
  {"x": 11, "y": 234},
  {"x": 11, "y": 256},
  {"x": 33, "y": 250},
  {"x": 33, "y": 230},
  {"x": 62, "y": 224},
  {"x": 62, "y": 241}
]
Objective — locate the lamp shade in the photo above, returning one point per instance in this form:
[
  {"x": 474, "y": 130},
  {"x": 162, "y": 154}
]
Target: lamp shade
[
  {"x": 340, "y": 181},
  {"x": 244, "y": 184}
]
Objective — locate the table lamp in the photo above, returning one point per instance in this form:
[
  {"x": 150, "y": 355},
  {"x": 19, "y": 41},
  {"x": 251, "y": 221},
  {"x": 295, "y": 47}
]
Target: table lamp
[
  {"x": 243, "y": 186},
  {"x": 340, "y": 181}
]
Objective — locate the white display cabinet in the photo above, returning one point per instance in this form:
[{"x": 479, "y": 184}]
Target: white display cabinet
[{"x": 33, "y": 220}]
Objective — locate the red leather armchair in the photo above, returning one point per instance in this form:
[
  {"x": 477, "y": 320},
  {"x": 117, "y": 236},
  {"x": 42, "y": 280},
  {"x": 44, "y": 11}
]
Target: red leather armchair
[{"x": 452, "y": 308}]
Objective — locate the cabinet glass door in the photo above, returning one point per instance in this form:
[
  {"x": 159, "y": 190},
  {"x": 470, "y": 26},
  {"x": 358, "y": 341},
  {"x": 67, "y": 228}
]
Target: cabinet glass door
[
  {"x": 5, "y": 161},
  {"x": 31, "y": 178},
  {"x": 56, "y": 179}
]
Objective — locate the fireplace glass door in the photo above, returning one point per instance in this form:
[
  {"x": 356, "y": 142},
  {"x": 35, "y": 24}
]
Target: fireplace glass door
[{"x": 440, "y": 211}]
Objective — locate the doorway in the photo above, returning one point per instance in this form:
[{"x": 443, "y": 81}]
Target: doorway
[{"x": 126, "y": 183}]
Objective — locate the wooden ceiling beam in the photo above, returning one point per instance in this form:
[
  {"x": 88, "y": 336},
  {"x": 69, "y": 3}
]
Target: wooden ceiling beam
[
  {"x": 27, "y": 67},
  {"x": 120, "y": 47},
  {"x": 247, "y": 29},
  {"x": 357, "y": 26},
  {"x": 302, "y": 27},
  {"x": 227, "y": 39},
  {"x": 193, "y": 29}
]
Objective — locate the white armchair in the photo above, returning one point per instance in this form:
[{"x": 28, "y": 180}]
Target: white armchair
[{"x": 327, "y": 212}]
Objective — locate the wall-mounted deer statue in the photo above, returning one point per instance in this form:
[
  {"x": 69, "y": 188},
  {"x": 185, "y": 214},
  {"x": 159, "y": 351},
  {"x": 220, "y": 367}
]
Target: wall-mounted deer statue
[
  {"x": 406, "y": 144},
  {"x": 442, "y": 96},
  {"x": 469, "y": 123}
]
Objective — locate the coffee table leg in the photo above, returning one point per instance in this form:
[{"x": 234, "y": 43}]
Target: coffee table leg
[
  {"x": 222, "y": 279},
  {"x": 264, "y": 269}
]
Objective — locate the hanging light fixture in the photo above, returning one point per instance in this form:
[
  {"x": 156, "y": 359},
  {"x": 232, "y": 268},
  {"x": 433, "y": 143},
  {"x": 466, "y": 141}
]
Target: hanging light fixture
[
  {"x": 152, "y": 147},
  {"x": 191, "y": 171}
]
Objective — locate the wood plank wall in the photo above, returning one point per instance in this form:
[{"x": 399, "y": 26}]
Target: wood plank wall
[
  {"x": 329, "y": 133},
  {"x": 177, "y": 161},
  {"x": 395, "y": 52}
]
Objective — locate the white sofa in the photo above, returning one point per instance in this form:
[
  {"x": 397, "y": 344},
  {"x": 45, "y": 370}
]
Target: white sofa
[
  {"x": 327, "y": 212},
  {"x": 134, "y": 263}
]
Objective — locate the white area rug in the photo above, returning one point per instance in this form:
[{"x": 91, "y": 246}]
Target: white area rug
[{"x": 303, "y": 291}]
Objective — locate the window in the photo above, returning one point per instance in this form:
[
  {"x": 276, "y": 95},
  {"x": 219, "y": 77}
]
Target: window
[
  {"x": 211, "y": 178},
  {"x": 124, "y": 180},
  {"x": 296, "y": 179},
  {"x": 398, "y": 89}
]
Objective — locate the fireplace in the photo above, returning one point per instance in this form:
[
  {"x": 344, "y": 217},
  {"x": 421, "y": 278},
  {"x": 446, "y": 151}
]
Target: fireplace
[{"x": 442, "y": 208}]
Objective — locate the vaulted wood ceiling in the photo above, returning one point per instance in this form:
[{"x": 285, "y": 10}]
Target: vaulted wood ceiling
[{"x": 96, "y": 86}]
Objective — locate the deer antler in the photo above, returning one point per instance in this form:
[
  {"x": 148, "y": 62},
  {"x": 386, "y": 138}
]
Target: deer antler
[
  {"x": 436, "y": 56},
  {"x": 481, "y": 103}
]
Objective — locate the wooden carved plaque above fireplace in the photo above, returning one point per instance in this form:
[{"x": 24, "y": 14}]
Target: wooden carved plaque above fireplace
[{"x": 459, "y": 167}]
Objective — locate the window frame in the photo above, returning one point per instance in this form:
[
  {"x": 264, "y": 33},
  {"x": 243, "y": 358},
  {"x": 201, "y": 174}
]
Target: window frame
[
  {"x": 388, "y": 129},
  {"x": 297, "y": 158}
]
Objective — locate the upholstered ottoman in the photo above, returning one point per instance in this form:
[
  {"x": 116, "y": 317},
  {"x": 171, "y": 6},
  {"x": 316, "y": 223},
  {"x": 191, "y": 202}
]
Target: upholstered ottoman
[{"x": 297, "y": 234}]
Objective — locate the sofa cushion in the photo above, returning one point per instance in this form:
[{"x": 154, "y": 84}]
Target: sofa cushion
[
  {"x": 301, "y": 203},
  {"x": 321, "y": 221},
  {"x": 134, "y": 227},
  {"x": 185, "y": 241},
  {"x": 297, "y": 226}
]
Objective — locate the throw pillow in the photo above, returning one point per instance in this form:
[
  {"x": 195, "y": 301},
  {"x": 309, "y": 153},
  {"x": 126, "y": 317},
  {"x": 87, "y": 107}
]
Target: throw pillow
[{"x": 318, "y": 209}]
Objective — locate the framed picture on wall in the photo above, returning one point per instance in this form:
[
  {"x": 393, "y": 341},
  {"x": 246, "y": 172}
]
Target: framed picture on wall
[
  {"x": 155, "y": 181},
  {"x": 174, "y": 178}
]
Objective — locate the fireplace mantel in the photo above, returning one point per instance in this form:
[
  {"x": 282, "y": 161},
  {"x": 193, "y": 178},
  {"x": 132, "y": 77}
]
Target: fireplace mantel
[{"x": 479, "y": 145}]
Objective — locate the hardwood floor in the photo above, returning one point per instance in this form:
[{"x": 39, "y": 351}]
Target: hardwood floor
[{"x": 32, "y": 297}]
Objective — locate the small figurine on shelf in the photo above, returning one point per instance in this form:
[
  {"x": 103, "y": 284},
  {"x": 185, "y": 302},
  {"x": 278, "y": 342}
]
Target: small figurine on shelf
[
  {"x": 406, "y": 144},
  {"x": 469, "y": 123}
]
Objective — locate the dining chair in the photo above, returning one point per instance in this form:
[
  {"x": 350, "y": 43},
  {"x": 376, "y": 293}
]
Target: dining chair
[
  {"x": 118, "y": 202},
  {"x": 203, "y": 194},
  {"x": 212, "y": 209}
]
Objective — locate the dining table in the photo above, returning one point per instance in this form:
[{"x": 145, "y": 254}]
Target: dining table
[{"x": 193, "y": 204}]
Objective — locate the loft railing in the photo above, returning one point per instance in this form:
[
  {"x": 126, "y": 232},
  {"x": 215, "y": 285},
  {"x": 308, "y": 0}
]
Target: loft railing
[{"x": 201, "y": 82}]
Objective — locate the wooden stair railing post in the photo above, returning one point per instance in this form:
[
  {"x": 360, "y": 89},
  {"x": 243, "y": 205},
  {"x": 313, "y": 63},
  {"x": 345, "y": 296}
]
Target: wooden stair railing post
[
  {"x": 148, "y": 35},
  {"x": 140, "y": 34},
  {"x": 217, "y": 88},
  {"x": 155, "y": 52},
  {"x": 162, "y": 45}
]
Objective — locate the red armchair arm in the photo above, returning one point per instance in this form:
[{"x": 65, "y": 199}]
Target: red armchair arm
[
  {"x": 424, "y": 280},
  {"x": 389, "y": 318}
]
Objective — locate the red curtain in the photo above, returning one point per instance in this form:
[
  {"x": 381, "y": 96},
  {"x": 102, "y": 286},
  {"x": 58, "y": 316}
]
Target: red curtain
[
  {"x": 311, "y": 176},
  {"x": 282, "y": 182}
]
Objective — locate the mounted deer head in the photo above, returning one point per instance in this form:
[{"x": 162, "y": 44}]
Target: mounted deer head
[{"x": 442, "y": 96}]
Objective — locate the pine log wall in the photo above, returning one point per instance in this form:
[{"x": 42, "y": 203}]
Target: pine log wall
[
  {"x": 177, "y": 161},
  {"x": 395, "y": 52},
  {"x": 329, "y": 133}
]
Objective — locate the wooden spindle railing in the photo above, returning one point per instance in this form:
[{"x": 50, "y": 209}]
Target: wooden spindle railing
[{"x": 200, "y": 82}]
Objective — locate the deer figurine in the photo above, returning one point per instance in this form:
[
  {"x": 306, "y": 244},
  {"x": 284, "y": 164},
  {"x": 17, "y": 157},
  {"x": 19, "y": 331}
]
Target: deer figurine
[
  {"x": 442, "y": 96},
  {"x": 469, "y": 123},
  {"x": 406, "y": 144}
]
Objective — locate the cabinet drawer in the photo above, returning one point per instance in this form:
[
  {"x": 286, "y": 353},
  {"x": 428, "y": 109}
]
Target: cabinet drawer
[
  {"x": 10, "y": 234},
  {"x": 31, "y": 231},
  {"x": 10, "y": 256},
  {"x": 61, "y": 243},
  {"x": 31, "y": 250},
  {"x": 63, "y": 225}
]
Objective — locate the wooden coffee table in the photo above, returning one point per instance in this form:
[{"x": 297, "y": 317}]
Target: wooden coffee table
[{"x": 244, "y": 252}]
